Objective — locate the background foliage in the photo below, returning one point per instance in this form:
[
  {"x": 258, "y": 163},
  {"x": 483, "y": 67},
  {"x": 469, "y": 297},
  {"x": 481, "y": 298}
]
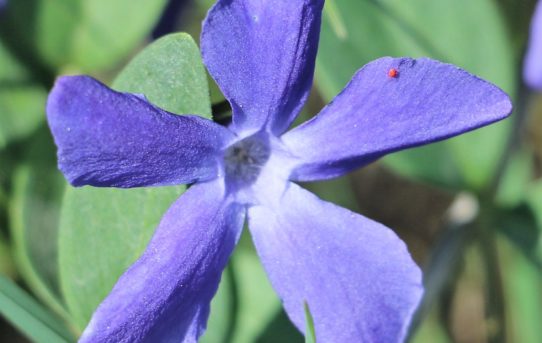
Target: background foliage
[{"x": 470, "y": 208}]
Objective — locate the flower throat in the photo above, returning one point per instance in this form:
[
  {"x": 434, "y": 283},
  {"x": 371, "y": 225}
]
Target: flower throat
[{"x": 244, "y": 159}]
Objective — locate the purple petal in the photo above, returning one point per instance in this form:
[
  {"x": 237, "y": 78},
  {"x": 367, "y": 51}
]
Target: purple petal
[
  {"x": 165, "y": 295},
  {"x": 532, "y": 71},
  {"x": 107, "y": 138},
  {"x": 393, "y": 104},
  {"x": 262, "y": 55},
  {"x": 357, "y": 277}
]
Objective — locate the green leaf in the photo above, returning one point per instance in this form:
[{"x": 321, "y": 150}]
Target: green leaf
[
  {"x": 355, "y": 32},
  {"x": 6, "y": 264},
  {"x": 38, "y": 187},
  {"x": 30, "y": 317},
  {"x": 13, "y": 71},
  {"x": 22, "y": 102},
  {"x": 310, "y": 335},
  {"x": 534, "y": 201},
  {"x": 515, "y": 180},
  {"x": 5, "y": 173},
  {"x": 250, "y": 304},
  {"x": 520, "y": 226},
  {"x": 223, "y": 309},
  {"x": 432, "y": 163},
  {"x": 338, "y": 191},
  {"x": 21, "y": 111},
  {"x": 34, "y": 224},
  {"x": 155, "y": 73},
  {"x": 104, "y": 230},
  {"x": 88, "y": 34},
  {"x": 518, "y": 14},
  {"x": 170, "y": 73},
  {"x": 281, "y": 329},
  {"x": 258, "y": 303},
  {"x": 522, "y": 285}
]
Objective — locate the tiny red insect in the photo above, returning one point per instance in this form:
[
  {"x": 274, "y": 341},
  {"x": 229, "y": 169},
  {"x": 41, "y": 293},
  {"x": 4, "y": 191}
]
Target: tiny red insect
[{"x": 393, "y": 72}]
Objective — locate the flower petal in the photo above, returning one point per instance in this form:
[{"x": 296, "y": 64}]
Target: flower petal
[
  {"x": 393, "y": 104},
  {"x": 532, "y": 71},
  {"x": 164, "y": 296},
  {"x": 107, "y": 138},
  {"x": 357, "y": 277},
  {"x": 262, "y": 55}
]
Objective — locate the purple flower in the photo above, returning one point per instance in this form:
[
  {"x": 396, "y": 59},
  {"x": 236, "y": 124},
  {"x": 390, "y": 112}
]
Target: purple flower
[
  {"x": 355, "y": 274},
  {"x": 532, "y": 69}
]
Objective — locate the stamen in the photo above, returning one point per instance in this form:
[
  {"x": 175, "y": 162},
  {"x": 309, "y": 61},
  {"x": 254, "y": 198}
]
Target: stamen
[
  {"x": 393, "y": 73},
  {"x": 244, "y": 159}
]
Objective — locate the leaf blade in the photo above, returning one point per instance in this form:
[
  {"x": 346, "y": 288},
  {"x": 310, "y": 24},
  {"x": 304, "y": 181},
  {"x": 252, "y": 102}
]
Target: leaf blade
[
  {"x": 28, "y": 316},
  {"x": 310, "y": 335}
]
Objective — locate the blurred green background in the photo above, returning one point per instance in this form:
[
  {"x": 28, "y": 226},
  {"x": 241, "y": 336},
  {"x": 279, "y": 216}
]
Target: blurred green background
[{"x": 470, "y": 208}]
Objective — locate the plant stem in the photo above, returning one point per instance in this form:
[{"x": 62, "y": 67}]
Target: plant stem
[
  {"x": 444, "y": 267},
  {"x": 496, "y": 310},
  {"x": 519, "y": 119}
]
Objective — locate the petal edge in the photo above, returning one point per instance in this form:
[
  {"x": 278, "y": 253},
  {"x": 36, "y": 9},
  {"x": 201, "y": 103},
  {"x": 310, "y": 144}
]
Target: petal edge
[
  {"x": 262, "y": 56},
  {"x": 376, "y": 114},
  {"x": 111, "y": 139},
  {"x": 164, "y": 296},
  {"x": 356, "y": 275}
]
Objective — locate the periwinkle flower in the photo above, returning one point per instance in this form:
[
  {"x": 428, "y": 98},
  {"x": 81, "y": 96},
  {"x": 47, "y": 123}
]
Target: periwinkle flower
[
  {"x": 532, "y": 66},
  {"x": 356, "y": 275}
]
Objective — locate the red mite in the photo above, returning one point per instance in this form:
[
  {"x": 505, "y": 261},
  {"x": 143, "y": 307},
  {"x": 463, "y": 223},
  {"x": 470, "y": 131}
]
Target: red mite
[{"x": 393, "y": 72}]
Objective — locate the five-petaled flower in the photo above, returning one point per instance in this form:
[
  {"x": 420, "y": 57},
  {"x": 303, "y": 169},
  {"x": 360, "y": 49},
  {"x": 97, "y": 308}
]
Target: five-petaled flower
[
  {"x": 532, "y": 70},
  {"x": 356, "y": 275}
]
